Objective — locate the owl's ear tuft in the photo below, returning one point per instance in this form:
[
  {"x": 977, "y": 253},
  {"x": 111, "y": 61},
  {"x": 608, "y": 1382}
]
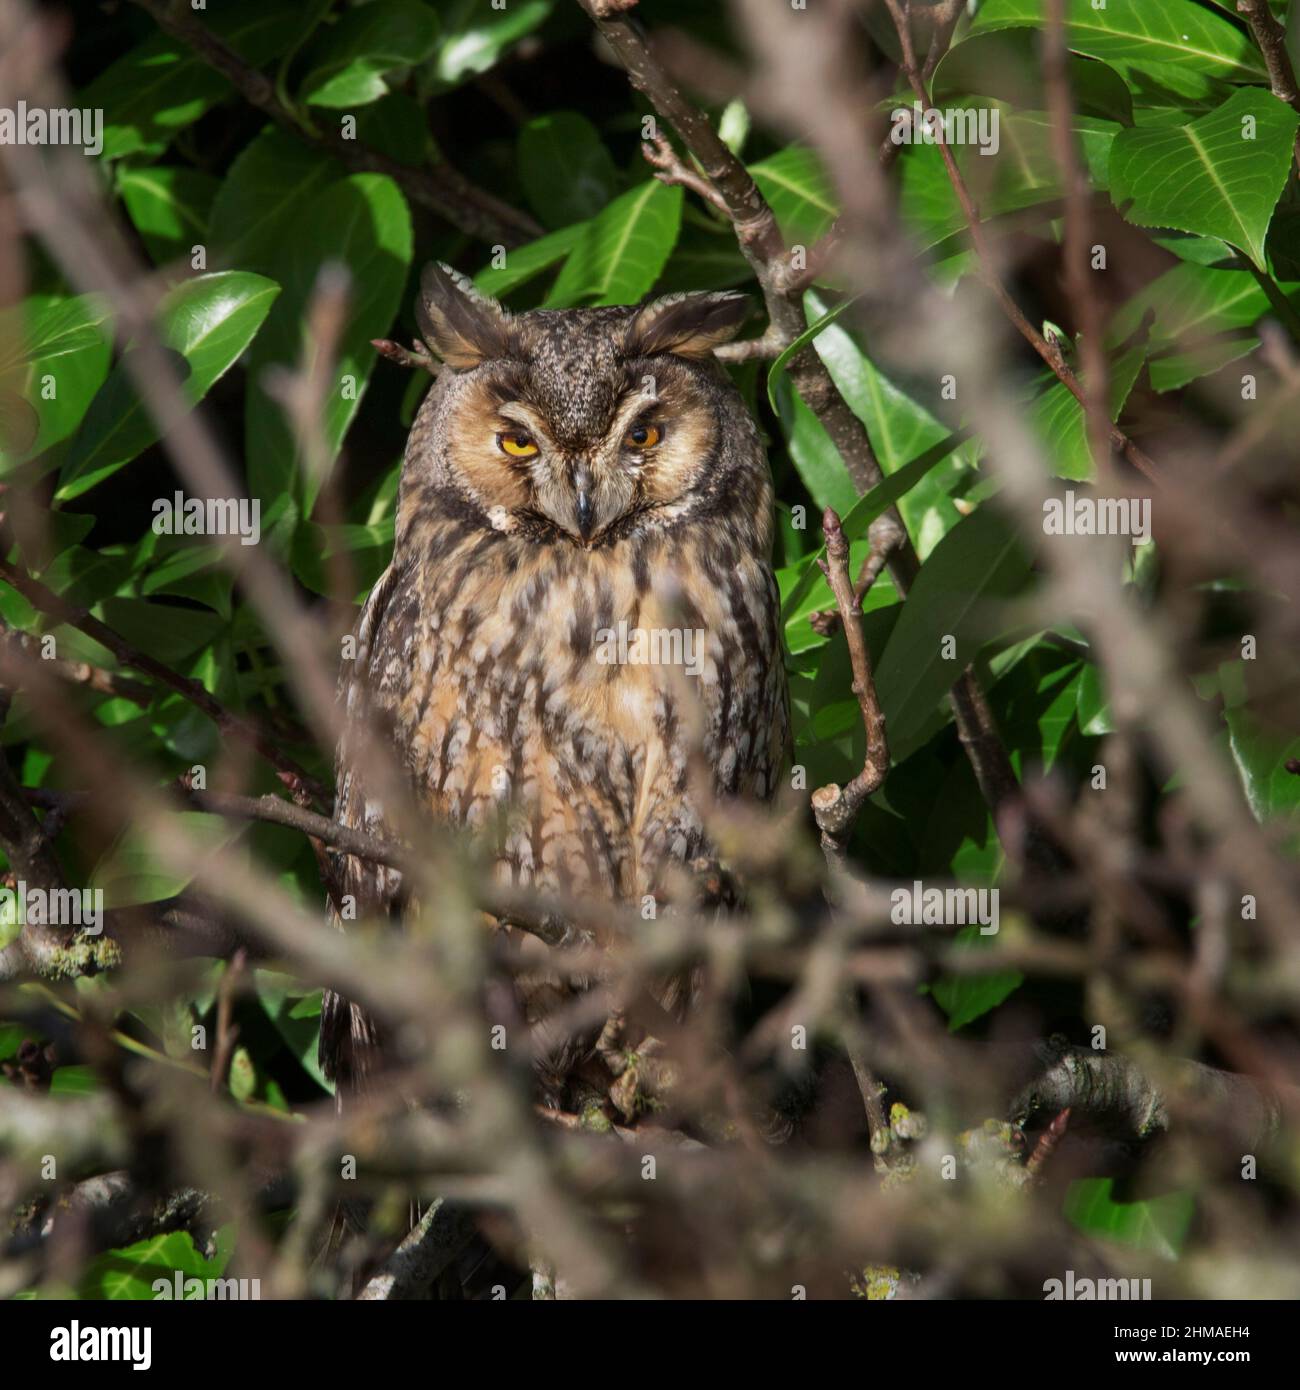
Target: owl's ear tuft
[
  {"x": 689, "y": 325},
  {"x": 462, "y": 326}
]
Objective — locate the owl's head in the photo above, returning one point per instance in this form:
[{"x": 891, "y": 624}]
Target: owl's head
[{"x": 579, "y": 426}]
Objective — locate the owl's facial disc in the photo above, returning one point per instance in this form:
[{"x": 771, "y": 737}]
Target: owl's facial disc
[
  {"x": 580, "y": 486},
  {"x": 647, "y": 456},
  {"x": 582, "y": 424}
]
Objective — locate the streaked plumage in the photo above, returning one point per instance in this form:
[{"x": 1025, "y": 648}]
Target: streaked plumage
[{"x": 477, "y": 651}]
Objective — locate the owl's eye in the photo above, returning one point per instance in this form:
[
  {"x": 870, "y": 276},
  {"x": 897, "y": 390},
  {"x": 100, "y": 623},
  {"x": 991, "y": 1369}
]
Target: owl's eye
[
  {"x": 642, "y": 437},
  {"x": 517, "y": 444}
]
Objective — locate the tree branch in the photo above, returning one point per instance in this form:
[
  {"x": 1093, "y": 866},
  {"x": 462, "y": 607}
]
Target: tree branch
[
  {"x": 411, "y": 1270},
  {"x": 1271, "y": 38},
  {"x": 763, "y": 246},
  {"x": 836, "y": 808},
  {"x": 83, "y": 673},
  {"x": 1051, "y": 355},
  {"x": 443, "y": 190}
]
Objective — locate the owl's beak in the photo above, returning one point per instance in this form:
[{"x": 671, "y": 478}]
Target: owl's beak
[
  {"x": 584, "y": 508},
  {"x": 586, "y": 514}
]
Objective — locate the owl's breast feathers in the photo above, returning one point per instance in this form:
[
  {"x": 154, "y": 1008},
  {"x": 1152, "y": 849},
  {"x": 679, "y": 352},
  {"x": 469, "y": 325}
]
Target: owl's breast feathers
[{"x": 551, "y": 696}]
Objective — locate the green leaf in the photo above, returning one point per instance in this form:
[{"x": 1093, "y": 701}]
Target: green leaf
[
  {"x": 799, "y": 192},
  {"x": 209, "y": 321},
  {"x": 167, "y": 632},
  {"x": 269, "y": 184},
  {"x": 168, "y": 206},
  {"x": 1159, "y": 1224},
  {"x": 1196, "y": 320},
  {"x": 619, "y": 254},
  {"x": 1200, "y": 250},
  {"x": 896, "y": 487},
  {"x": 1037, "y": 698},
  {"x": 827, "y": 720},
  {"x": 475, "y": 36},
  {"x": 525, "y": 263},
  {"x": 243, "y": 1075},
  {"x": 978, "y": 563},
  {"x": 74, "y": 1081},
  {"x": 362, "y": 222},
  {"x": 296, "y": 1018},
  {"x": 860, "y": 516},
  {"x": 801, "y": 342},
  {"x": 368, "y": 548},
  {"x": 1208, "y": 177},
  {"x": 58, "y": 532},
  {"x": 133, "y": 872},
  {"x": 190, "y": 569},
  {"x": 1092, "y": 708},
  {"x": 1184, "y": 49},
  {"x": 565, "y": 169},
  {"x": 815, "y": 457},
  {"x": 899, "y": 428},
  {"x": 1007, "y": 64},
  {"x": 309, "y": 1006},
  {"x": 12, "y": 1037},
  {"x": 395, "y": 125},
  {"x": 1023, "y": 173},
  {"x": 907, "y": 440},
  {"x": 1262, "y": 740},
  {"x": 51, "y": 327},
  {"x": 964, "y": 998},
  {"x": 703, "y": 260},
  {"x": 347, "y": 62},
  {"x": 59, "y": 344},
  {"x": 162, "y": 85},
  {"x": 133, "y": 1271},
  {"x": 1283, "y": 244},
  {"x": 1261, "y": 753},
  {"x": 19, "y": 425},
  {"x": 1060, "y": 422}
]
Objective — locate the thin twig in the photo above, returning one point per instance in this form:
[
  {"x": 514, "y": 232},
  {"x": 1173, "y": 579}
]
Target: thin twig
[
  {"x": 84, "y": 673},
  {"x": 1049, "y": 353},
  {"x": 416, "y": 356},
  {"x": 836, "y": 808},
  {"x": 227, "y": 1029},
  {"x": 1047, "y": 1143},
  {"x": 674, "y": 171},
  {"x": 1078, "y": 238}
]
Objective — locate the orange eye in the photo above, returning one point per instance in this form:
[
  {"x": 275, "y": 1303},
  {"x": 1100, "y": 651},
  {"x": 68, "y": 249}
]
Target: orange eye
[
  {"x": 518, "y": 446},
  {"x": 642, "y": 437}
]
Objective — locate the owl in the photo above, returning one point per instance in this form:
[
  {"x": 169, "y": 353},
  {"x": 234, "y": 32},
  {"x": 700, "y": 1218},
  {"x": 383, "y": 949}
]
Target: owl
[{"x": 579, "y": 616}]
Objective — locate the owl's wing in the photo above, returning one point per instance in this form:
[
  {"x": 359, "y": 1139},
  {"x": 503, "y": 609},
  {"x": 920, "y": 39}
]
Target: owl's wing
[{"x": 349, "y": 1037}]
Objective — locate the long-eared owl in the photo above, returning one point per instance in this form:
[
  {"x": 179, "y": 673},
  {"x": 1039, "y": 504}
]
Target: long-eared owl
[{"x": 580, "y": 611}]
